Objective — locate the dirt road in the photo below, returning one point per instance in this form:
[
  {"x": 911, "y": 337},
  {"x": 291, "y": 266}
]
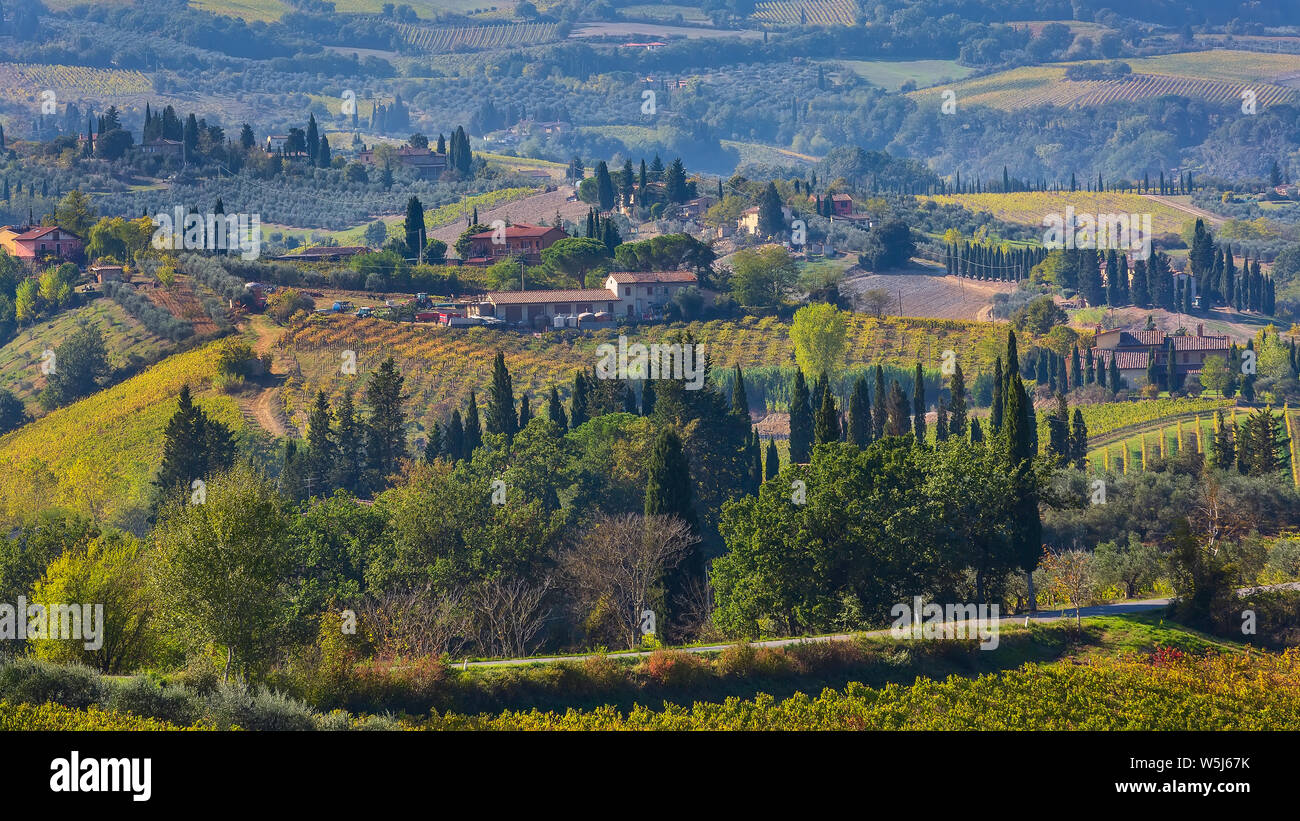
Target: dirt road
[{"x": 262, "y": 408}]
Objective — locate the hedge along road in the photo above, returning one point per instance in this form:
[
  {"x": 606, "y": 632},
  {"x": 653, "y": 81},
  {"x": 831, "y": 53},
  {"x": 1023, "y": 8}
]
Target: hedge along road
[{"x": 1042, "y": 616}]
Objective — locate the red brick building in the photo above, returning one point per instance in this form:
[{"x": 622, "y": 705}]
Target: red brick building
[{"x": 521, "y": 240}]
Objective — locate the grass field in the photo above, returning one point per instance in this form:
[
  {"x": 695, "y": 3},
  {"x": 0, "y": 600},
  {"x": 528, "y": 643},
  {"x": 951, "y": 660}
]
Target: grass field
[
  {"x": 1219, "y": 76},
  {"x": 891, "y": 74},
  {"x": 1030, "y": 207},
  {"x": 100, "y": 454},
  {"x": 126, "y": 339},
  {"x": 766, "y": 154}
]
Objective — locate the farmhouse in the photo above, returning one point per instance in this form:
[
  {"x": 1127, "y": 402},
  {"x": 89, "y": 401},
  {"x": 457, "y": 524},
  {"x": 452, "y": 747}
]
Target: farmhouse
[
  {"x": 106, "y": 273},
  {"x": 1133, "y": 351},
  {"x": 538, "y": 307},
  {"x": 748, "y": 222},
  {"x": 645, "y": 293},
  {"x": 521, "y": 240},
  {"x": 637, "y": 294},
  {"x": 36, "y": 243},
  {"x": 426, "y": 162},
  {"x": 163, "y": 146}
]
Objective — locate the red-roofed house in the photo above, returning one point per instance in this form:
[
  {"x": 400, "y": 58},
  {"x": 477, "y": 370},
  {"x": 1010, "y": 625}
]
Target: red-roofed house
[
  {"x": 532, "y": 307},
  {"x": 36, "y": 243},
  {"x": 521, "y": 240},
  {"x": 644, "y": 293},
  {"x": 1132, "y": 350}
]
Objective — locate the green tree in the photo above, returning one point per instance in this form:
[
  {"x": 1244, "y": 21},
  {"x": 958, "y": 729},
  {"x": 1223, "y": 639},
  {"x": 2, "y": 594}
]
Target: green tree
[
  {"x": 801, "y": 421},
  {"x": 668, "y": 492},
  {"x": 827, "y": 428},
  {"x": 385, "y": 424},
  {"x": 501, "y": 400},
  {"x": 763, "y": 276},
  {"x": 771, "y": 220},
  {"x": 80, "y": 367},
  {"x": 957, "y": 409},
  {"x": 109, "y": 571},
  {"x": 918, "y": 404},
  {"x": 819, "y": 333},
  {"x": 320, "y": 446},
  {"x": 555, "y": 411},
  {"x": 217, "y": 570},
  {"x": 859, "y": 419}
]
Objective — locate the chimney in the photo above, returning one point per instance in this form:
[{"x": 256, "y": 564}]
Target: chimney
[{"x": 1200, "y": 329}]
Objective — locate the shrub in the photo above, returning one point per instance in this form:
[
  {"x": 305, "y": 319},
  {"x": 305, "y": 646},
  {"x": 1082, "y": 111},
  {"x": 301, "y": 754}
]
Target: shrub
[
  {"x": 145, "y": 697},
  {"x": 33, "y": 681},
  {"x": 234, "y": 705},
  {"x": 674, "y": 668}
]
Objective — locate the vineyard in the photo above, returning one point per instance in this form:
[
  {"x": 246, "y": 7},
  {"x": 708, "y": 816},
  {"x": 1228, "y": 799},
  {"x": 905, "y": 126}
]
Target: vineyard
[
  {"x": 1113, "y": 417},
  {"x": 442, "y": 40},
  {"x": 1031, "y": 86},
  {"x": 442, "y": 365},
  {"x": 127, "y": 341},
  {"x": 1127, "y": 454},
  {"x": 1029, "y": 207},
  {"x": 99, "y": 455},
  {"x": 25, "y": 82},
  {"x": 1168, "y": 691},
  {"x": 808, "y": 12}
]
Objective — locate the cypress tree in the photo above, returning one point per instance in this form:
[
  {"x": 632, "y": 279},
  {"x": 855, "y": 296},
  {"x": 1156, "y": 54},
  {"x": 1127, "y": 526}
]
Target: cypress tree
[
  {"x": 453, "y": 443},
  {"x": 525, "y": 412},
  {"x": 756, "y": 463},
  {"x": 320, "y": 444},
  {"x": 859, "y": 421},
  {"x": 899, "y": 421},
  {"x": 1058, "y": 428},
  {"x": 918, "y": 404},
  {"x": 433, "y": 444},
  {"x": 828, "y": 419},
  {"x": 976, "y": 432},
  {"x": 739, "y": 400},
  {"x": 555, "y": 410},
  {"x": 773, "y": 465},
  {"x": 995, "y": 412},
  {"x": 473, "y": 428},
  {"x": 879, "y": 413},
  {"x": 385, "y": 424},
  {"x": 957, "y": 410},
  {"x": 1079, "y": 441},
  {"x": 668, "y": 493},
  {"x": 501, "y": 417},
  {"x": 941, "y": 421},
  {"x": 578, "y": 405},
  {"x": 349, "y": 448},
  {"x": 801, "y": 423}
]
